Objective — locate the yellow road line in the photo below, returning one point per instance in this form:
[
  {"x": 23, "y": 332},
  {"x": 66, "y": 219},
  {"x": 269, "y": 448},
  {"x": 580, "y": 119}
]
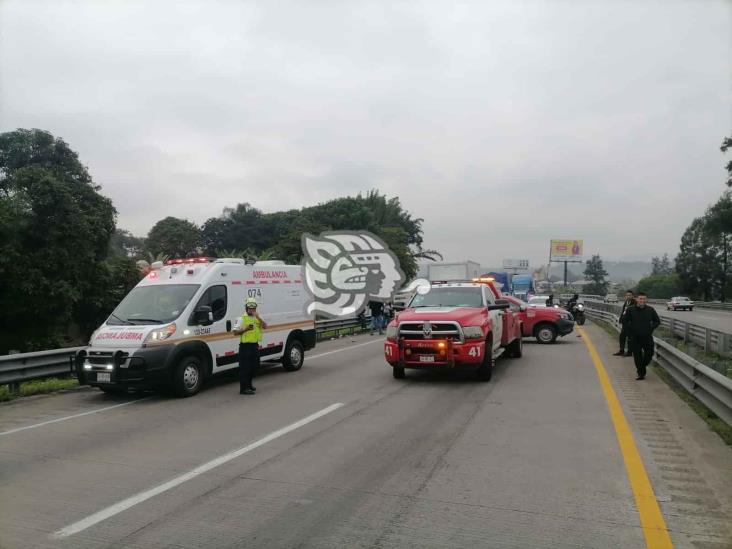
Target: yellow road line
[{"x": 651, "y": 518}]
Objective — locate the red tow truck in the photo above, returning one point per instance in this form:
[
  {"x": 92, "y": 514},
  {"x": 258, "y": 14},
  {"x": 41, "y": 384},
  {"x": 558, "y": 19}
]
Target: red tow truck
[{"x": 455, "y": 325}]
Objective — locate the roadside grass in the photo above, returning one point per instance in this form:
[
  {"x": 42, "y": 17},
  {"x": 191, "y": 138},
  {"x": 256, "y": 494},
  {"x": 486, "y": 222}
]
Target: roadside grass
[
  {"x": 38, "y": 387},
  {"x": 721, "y": 364},
  {"x": 715, "y": 423}
]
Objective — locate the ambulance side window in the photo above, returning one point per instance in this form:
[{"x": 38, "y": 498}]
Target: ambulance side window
[{"x": 214, "y": 297}]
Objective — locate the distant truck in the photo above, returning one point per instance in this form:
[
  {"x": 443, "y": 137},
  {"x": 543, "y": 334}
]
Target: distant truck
[
  {"x": 467, "y": 270},
  {"x": 523, "y": 286},
  {"x": 502, "y": 281}
]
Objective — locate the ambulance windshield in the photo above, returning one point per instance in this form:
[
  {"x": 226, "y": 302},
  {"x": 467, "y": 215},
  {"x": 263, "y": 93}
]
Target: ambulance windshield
[{"x": 153, "y": 304}]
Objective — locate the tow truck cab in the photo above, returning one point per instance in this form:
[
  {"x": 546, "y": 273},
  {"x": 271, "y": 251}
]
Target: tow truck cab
[{"x": 455, "y": 325}]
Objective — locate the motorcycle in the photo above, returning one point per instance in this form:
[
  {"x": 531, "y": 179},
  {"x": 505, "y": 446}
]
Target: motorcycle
[{"x": 578, "y": 312}]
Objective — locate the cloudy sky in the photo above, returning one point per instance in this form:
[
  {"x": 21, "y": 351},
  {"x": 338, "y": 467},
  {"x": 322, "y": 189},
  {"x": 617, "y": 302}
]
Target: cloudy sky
[{"x": 502, "y": 124}]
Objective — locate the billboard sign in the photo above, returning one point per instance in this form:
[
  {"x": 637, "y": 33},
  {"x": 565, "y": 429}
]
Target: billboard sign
[
  {"x": 565, "y": 250},
  {"x": 515, "y": 263}
]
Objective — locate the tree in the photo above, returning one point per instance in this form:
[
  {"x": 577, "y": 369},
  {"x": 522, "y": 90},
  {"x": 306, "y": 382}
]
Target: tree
[
  {"x": 55, "y": 229},
  {"x": 595, "y": 272},
  {"x": 125, "y": 244},
  {"x": 661, "y": 265},
  {"x": 703, "y": 262},
  {"x": 727, "y": 144},
  {"x": 719, "y": 225},
  {"x": 278, "y": 234},
  {"x": 660, "y": 286},
  {"x": 174, "y": 237}
]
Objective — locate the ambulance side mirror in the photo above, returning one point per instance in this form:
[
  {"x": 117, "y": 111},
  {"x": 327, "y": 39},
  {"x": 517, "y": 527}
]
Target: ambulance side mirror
[{"x": 203, "y": 315}]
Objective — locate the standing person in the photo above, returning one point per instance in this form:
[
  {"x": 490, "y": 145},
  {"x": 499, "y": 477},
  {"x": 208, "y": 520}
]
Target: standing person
[
  {"x": 624, "y": 335},
  {"x": 249, "y": 329},
  {"x": 550, "y": 301},
  {"x": 377, "y": 316},
  {"x": 641, "y": 320}
]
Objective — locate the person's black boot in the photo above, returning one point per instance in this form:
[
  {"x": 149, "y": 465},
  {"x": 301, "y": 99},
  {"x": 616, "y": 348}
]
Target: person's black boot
[
  {"x": 619, "y": 353},
  {"x": 248, "y": 392}
]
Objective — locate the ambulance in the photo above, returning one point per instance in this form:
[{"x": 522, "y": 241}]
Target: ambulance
[{"x": 174, "y": 329}]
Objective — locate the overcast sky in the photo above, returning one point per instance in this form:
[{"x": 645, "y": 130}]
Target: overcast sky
[{"x": 501, "y": 124}]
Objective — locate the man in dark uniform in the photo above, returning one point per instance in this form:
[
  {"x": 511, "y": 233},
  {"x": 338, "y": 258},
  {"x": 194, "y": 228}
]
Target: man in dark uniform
[
  {"x": 624, "y": 335},
  {"x": 640, "y": 321},
  {"x": 377, "y": 316}
]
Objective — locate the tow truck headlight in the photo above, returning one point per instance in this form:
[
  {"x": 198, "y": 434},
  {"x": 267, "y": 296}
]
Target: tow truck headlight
[
  {"x": 473, "y": 332},
  {"x": 391, "y": 332},
  {"x": 160, "y": 334}
]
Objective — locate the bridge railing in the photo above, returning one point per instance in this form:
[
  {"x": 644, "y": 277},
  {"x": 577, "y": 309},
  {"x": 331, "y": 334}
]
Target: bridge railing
[
  {"x": 705, "y": 383},
  {"x": 17, "y": 368}
]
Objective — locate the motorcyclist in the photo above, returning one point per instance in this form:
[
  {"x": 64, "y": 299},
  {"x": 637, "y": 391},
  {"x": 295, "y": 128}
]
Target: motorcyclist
[{"x": 572, "y": 303}]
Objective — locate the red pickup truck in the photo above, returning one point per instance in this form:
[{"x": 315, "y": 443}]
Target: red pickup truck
[
  {"x": 455, "y": 325},
  {"x": 543, "y": 323}
]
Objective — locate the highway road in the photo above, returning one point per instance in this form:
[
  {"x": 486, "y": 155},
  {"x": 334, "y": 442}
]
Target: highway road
[
  {"x": 340, "y": 454},
  {"x": 710, "y": 318}
]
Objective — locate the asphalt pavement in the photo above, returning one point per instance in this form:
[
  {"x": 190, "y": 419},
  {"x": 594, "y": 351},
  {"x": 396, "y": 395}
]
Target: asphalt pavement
[
  {"x": 720, "y": 320},
  {"x": 340, "y": 454}
]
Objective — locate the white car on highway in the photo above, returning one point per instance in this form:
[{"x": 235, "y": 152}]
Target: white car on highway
[
  {"x": 538, "y": 301},
  {"x": 683, "y": 303}
]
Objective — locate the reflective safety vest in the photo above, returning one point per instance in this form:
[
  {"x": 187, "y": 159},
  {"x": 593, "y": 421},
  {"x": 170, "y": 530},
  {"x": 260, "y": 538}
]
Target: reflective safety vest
[{"x": 251, "y": 336}]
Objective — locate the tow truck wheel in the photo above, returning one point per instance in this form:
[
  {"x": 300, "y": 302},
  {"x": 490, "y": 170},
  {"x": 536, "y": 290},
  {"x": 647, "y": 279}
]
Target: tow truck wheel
[
  {"x": 398, "y": 372},
  {"x": 485, "y": 372},
  {"x": 546, "y": 333},
  {"x": 516, "y": 348},
  {"x": 188, "y": 376}
]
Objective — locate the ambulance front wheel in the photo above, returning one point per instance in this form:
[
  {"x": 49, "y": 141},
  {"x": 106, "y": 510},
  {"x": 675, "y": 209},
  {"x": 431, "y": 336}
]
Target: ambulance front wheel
[
  {"x": 188, "y": 376},
  {"x": 294, "y": 356}
]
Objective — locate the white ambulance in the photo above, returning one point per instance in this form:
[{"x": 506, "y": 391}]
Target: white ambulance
[{"x": 173, "y": 330}]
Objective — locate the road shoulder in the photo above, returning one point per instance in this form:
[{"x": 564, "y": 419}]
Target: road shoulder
[{"x": 689, "y": 466}]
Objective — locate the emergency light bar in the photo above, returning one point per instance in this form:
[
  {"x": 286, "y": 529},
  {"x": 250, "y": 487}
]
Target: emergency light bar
[
  {"x": 463, "y": 281},
  {"x": 188, "y": 261}
]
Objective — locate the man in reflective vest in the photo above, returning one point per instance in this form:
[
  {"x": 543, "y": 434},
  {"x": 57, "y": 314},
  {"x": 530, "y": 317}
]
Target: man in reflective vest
[{"x": 249, "y": 329}]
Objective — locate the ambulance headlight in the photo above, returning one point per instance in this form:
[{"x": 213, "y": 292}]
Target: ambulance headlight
[
  {"x": 473, "y": 332},
  {"x": 161, "y": 334}
]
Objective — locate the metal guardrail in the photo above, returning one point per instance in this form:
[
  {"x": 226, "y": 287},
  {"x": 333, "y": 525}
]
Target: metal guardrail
[
  {"x": 707, "y": 338},
  {"x": 706, "y": 384},
  {"x": 17, "y": 368},
  {"x": 29, "y": 366}
]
